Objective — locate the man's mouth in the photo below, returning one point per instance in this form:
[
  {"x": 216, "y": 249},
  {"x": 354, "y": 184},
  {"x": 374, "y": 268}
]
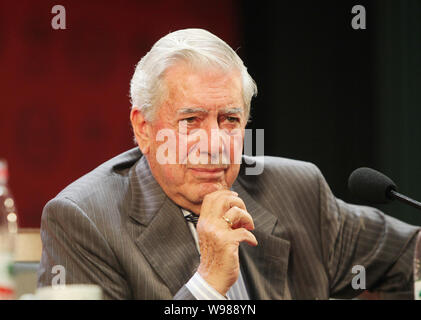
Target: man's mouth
[
  {"x": 214, "y": 169},
  {"x": 208, "y": 172}
]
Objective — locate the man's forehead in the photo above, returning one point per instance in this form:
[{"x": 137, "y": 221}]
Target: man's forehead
[
  {"x": 182, "y": 77},
  {"x": 191, "y": 90}
]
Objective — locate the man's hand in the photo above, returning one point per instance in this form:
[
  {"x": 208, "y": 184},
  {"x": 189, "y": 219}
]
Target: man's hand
[{"x": 219, "y": 241}]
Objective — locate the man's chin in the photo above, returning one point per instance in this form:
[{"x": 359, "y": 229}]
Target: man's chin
[{"x": 205, "y": 188}]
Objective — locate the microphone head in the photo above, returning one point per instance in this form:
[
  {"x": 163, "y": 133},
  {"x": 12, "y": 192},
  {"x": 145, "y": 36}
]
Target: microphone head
[{"x": 371, "y": 186}]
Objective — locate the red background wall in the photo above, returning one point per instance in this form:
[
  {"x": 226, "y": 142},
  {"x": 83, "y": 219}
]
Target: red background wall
[{"x": 64, "y": 105}]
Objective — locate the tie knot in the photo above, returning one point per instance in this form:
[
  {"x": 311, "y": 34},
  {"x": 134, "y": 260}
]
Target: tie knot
[{"x": 192, "y": 218}]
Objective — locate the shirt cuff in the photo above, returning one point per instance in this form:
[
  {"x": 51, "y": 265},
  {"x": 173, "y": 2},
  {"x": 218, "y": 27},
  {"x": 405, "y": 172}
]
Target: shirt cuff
[{"x": 201, "y": 290}]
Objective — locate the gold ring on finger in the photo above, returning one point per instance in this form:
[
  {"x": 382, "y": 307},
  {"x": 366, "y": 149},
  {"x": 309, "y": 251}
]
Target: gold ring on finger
[{"x": 227, "y": 220}]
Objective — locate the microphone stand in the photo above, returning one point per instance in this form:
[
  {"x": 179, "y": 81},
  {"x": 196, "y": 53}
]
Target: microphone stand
[{"x": 396, "y": 195}]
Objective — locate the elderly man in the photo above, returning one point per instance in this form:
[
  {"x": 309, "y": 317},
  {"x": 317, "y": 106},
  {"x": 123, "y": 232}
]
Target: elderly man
[{"x": 129, "y": 226}]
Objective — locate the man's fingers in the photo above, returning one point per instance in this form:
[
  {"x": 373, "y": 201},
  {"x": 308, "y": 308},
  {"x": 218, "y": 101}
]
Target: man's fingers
[
  {"x": 235, "y": 201},
  {"x": 221, "y": 201},
  {"x": 230, "y": 200},
  {"x": 216, "y": 194},
  {"x": 239, "y": 218},
  {"x": 243, "y": 234}
]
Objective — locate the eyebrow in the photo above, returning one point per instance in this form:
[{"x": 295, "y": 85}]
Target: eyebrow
[
  {"x": 192, "y": 110},
  {"x": 232, "y": 110},
  {"x": 189, "y": 110}
]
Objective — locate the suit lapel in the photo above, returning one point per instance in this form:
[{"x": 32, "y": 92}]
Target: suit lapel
[
  {"x": 165, "y": 241},
  {"x": 169, "y": 246},
  {"x": 265, "y": 266}
]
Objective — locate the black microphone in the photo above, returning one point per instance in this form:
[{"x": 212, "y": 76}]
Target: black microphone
[{"x": 374, "y": 187}]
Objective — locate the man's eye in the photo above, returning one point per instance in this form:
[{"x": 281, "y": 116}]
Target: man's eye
[
  {"x": 190, "y": 119},
  {"x": 233, "y": 119}
]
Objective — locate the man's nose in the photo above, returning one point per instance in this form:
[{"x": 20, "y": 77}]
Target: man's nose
[{"x": 215, "y": 139}]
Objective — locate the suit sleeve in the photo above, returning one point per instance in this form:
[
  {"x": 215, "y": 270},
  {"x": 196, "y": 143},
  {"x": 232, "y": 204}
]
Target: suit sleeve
[
  {"x": 362, "y": 243},
  {"x": 70, "y": 239}
]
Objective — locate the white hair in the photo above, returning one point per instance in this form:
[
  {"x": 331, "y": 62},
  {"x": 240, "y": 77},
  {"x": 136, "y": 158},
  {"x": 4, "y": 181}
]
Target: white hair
[{"x": 194, "y": 46}]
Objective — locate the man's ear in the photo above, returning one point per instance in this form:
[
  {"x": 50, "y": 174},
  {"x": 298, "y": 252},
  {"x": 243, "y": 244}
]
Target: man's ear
[{"x": 142, "y": 130}]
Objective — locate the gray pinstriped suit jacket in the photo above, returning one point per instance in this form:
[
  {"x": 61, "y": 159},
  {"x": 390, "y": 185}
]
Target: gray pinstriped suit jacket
[{"x": 115, "y": 227}]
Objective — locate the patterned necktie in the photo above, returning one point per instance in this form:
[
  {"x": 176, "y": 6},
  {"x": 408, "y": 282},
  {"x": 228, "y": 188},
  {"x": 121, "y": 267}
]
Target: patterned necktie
[{"x": 192, "y": 218}]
